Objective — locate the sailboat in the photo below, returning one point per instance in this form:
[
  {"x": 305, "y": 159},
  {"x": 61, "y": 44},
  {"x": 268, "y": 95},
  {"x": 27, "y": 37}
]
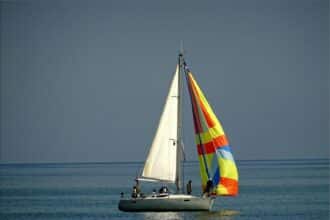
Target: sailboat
[{"x": 218, "y": 171}]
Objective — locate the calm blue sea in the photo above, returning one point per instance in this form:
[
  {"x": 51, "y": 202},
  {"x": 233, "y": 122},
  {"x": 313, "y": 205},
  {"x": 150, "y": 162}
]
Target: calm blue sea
[{"x": 281, "y": 189}]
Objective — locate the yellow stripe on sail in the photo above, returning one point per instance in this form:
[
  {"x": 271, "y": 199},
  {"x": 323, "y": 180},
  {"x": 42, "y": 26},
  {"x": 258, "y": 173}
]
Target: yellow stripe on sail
[
  {"x": 221, "y": 190},
  {"x": 228, "y": 168},
  {"x": 208, "y": 136},
  {"x": 209, "y": 159},
  {"x": 202, "y": 171}
]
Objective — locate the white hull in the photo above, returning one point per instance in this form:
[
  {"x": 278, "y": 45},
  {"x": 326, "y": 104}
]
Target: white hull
[{"x": 174, "y": 202}]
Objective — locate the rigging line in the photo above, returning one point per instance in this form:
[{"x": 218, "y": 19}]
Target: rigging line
[
  {"x": 179, "y": 126},
  {"x": 182, "y": 153},
  {"x": 198, "y": 134}
]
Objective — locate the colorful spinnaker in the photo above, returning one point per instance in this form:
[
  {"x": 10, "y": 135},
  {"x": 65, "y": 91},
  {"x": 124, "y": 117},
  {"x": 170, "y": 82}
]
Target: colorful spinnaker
[{"x": 214, "y": 153}]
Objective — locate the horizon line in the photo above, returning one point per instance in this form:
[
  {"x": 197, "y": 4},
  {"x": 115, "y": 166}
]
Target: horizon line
[{"x": 137, "y": 162}]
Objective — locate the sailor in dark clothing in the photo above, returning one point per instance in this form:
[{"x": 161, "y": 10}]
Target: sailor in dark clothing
[
  {"x": 134, "y": 192},
  {"x": 208, "y": 188},
  {"x": 136, "y": 189},
  {"x": 163, "y": 190},
  {"x": 189, "y": 187},
  {"x": 137, "y": 185}
]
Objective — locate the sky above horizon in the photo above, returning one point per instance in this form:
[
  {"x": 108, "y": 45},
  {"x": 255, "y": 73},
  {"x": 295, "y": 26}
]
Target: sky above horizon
[{"x": 85, "y": 81}]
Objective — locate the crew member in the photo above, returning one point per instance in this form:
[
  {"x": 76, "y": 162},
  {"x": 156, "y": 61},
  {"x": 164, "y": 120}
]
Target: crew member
[
  {"x": 208, "y": 188},
  {"x": 137, "y": 186},
  {"x": 134, "y": 192},
  {"x": 189, "y": 189}
]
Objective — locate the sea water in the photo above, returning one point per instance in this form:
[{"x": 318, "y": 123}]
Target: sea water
[{"x": 272, "y": 189}]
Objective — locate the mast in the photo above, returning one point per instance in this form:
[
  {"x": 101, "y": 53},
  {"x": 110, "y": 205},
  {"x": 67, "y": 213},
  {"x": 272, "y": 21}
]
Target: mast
[{"x": 179, "y": 181}]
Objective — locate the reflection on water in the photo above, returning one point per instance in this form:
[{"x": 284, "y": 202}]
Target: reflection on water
[
  {"x": 221, "y": 215},
  {"x": 162, "y": 215}
]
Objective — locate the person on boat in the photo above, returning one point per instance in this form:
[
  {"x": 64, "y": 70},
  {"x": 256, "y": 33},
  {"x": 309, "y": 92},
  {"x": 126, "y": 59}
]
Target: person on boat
[
  {"x": 137, "y": 186},
  {"x": 154, "y": 193},
  {"x": 134, "y": 192},
  {"x": 189, "y": 188},
  {"x": 208, "y": 188},
  {"x": 163, "y": 190}
]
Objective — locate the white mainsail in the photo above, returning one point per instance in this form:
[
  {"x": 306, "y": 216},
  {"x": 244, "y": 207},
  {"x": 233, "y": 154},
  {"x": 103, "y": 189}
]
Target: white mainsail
[{"x": 161, "y": 163}]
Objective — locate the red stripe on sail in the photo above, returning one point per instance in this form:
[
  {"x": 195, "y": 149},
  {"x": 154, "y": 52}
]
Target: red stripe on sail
[
  {"x": 210, "y": 147},
  {"x": 197, "y": 123},
  {"x": 221, "y": 141},
  {"x": 230, "y": 184}
]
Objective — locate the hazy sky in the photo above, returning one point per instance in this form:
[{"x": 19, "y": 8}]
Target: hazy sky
[{"x": 86, "y": 80}]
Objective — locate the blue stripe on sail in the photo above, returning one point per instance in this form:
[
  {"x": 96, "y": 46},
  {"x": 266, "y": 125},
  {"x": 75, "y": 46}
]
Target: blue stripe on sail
[
  {"x": 225, "y": 152},
  {"x": 214, "y": 164},
  {"x": 226, "y": 148},
  {"x": 216, "y": 177}
]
